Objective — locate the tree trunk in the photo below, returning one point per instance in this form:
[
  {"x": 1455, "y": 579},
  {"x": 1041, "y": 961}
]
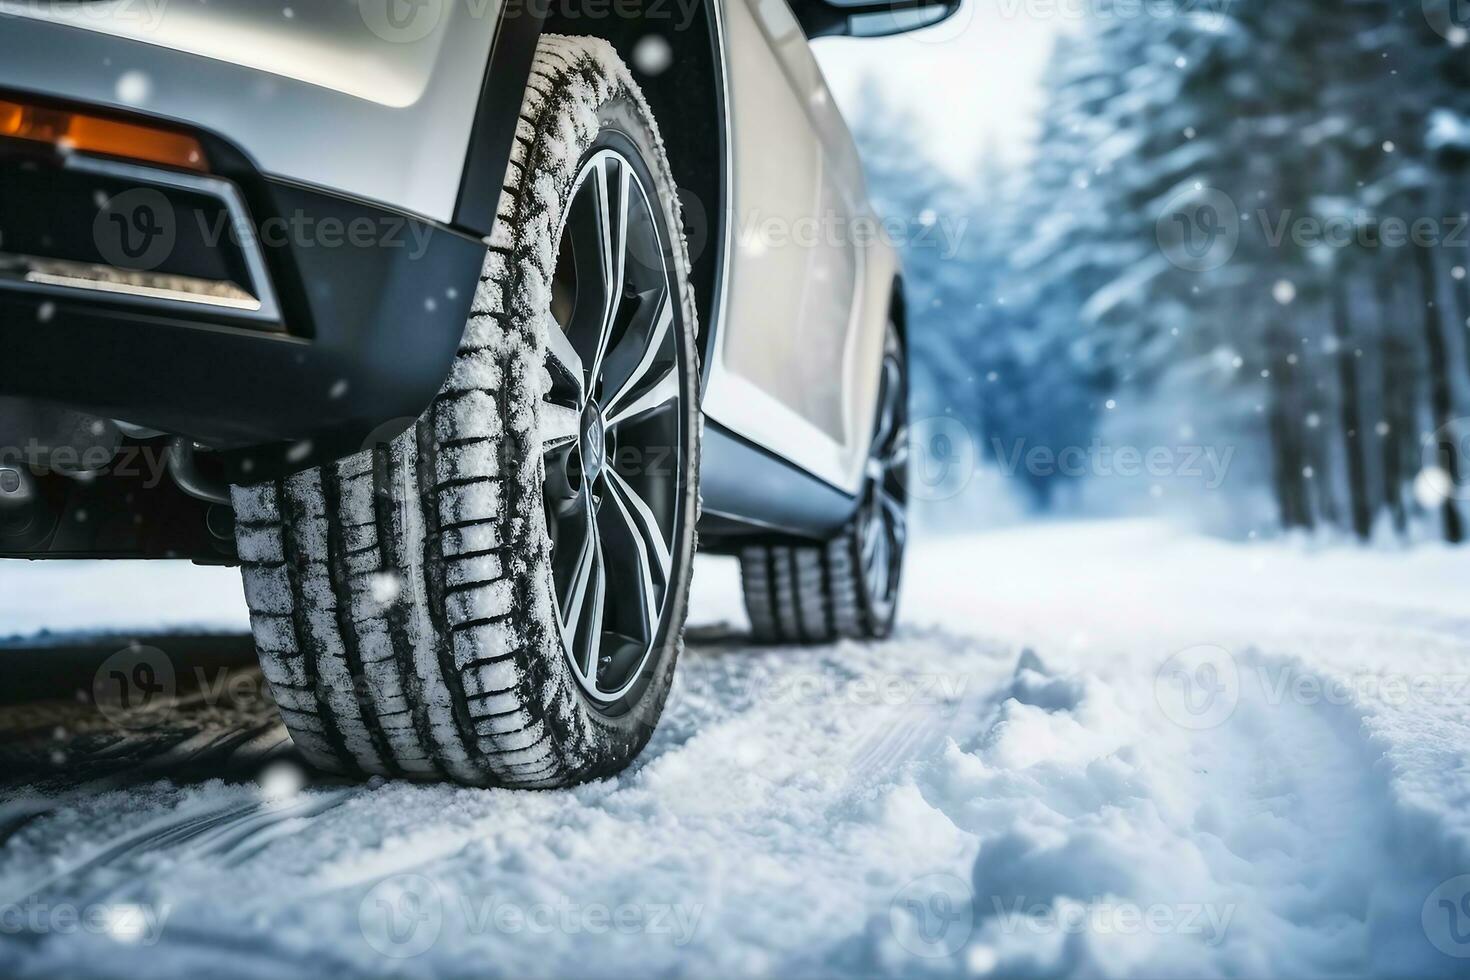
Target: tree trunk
[
  {"x": 1350, "y": 415},
  {"x": 1287, "y": 457},
  {"x": 1441, "y": 399},
  {"x": 1395, "y": 386}
]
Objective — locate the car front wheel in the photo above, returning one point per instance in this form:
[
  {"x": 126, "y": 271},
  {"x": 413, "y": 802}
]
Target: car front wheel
[{"x": 497, "y": 595}]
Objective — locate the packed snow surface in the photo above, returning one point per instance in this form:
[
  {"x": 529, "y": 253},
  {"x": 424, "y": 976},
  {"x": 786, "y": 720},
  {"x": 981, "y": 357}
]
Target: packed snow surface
[{"x": 1110, "y": 749}]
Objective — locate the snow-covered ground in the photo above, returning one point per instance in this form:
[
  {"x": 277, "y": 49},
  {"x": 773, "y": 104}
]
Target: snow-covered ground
[{"x": 1092, "y": 749}]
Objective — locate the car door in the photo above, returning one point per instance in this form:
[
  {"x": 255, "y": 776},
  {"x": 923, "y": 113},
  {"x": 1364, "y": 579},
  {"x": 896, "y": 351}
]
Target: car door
[{"x": 796, "y": 360}]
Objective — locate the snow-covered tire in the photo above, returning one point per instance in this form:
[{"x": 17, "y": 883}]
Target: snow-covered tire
[
  {"x": 403, "y": 599},
  {"x": 799, "y": 591}
]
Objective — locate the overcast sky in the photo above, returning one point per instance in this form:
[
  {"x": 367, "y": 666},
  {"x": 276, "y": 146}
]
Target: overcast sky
[{"x": 972, "y": 78}]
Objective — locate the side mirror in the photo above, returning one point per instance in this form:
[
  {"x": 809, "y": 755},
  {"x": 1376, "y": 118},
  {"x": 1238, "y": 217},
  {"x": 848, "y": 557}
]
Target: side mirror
[{"x": 864, "y": 18}]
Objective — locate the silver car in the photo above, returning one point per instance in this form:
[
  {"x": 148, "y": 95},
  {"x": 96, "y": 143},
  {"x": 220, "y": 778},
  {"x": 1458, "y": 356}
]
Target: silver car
[{"x": 453, "y": 331}]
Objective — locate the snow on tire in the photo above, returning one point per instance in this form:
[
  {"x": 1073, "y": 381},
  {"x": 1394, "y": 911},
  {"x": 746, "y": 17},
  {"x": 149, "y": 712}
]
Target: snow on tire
[{"x": 402, "y": 600}]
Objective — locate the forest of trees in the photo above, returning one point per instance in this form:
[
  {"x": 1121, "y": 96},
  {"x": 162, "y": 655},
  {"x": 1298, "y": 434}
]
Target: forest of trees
[{"x": 1244, "y": 227}]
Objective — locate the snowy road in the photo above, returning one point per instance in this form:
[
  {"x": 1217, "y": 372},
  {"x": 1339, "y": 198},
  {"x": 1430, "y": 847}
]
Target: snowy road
[{"x": 1093, "y": 749}]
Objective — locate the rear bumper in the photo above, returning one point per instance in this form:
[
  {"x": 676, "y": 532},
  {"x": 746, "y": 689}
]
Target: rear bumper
[{"x": 366, "y": 307}]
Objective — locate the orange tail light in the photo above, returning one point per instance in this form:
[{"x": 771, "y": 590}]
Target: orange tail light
[{"x": 83, "y": 133}]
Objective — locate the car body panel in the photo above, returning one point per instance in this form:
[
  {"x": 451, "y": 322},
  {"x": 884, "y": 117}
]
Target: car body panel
[
  {"x": 334, "y": 96},
  {"x": 807, "y": 295}
]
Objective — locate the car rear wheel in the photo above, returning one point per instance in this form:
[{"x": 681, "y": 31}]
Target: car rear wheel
[
  {"x": 799, "y": 591},
  {"x": 497, "y": 595}
]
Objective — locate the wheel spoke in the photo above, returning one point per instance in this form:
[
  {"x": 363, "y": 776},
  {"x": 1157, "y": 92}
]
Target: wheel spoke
[
  {"x": 613, "y": 232},
  {"x": 587, "y": 567},
  {"x": 663, "y": 319},
  {"x": 598, "y": 610},
  {"x": 660, "y": 393},
  {"x": 649, "y": 546},
  {"x": 559, "y": 426},
  {"x": 563, "y": 357},
  {"x": 900, "y": 452}
]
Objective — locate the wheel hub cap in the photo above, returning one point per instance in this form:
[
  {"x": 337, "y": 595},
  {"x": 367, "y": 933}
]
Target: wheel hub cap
[{"x": 594, "y": 442}]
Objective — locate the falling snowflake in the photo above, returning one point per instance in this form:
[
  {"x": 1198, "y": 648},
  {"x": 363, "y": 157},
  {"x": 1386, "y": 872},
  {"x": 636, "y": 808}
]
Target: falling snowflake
[
  {"x": 652, "y": 54},
  {"x": 281, "y": 781},
  {"x": 1284, "y": 291},
  {"x": 134, "y": 87},
  {"x": 1432, "y": 487},
  {"x": 385, "y": 587}
]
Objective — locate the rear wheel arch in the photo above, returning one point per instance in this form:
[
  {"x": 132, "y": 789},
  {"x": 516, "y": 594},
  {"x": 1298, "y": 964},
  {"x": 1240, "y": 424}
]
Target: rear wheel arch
[{"x": 898, "y": 310}]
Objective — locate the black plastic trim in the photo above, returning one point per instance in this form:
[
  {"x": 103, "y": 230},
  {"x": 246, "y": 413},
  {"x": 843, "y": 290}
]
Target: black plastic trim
[
  {"x": 373, "y": 326},
  {"x": 748, "y": 490},
  {"x": 506, "y": 76}
]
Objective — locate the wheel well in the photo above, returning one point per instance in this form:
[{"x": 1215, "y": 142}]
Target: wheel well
[
  {"x": 898, "y": 310},
  {"x": 688, "y": 101}
]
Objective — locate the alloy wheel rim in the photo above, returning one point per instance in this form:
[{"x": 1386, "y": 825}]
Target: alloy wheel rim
[
  {"x": 883, "y": 527},
  {"x": 612, "y": 428}
]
